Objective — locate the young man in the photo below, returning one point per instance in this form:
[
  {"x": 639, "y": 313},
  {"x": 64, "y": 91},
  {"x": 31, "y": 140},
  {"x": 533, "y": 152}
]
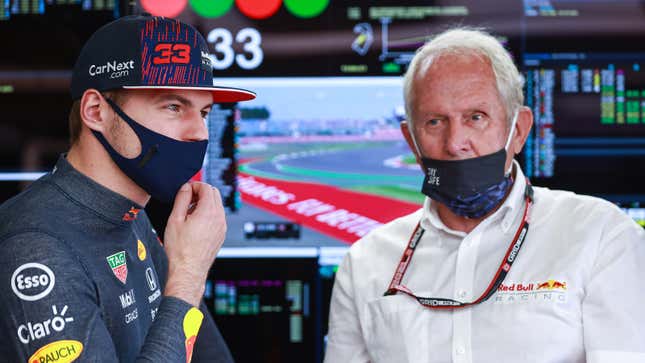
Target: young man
[
  {"x": 465, "y": 279},
  {"x": 85, "y": 275}
]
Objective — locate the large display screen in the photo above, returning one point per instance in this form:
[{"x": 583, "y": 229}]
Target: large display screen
[{"x": 325, "y": 153}]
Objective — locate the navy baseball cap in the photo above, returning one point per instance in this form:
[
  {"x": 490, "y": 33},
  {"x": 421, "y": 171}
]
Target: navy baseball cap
[{"x": 146, "y": 52}]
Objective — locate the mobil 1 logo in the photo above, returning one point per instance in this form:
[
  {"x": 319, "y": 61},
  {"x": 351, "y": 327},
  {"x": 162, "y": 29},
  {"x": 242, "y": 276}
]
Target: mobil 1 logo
[{"x": 32, "y": 281}]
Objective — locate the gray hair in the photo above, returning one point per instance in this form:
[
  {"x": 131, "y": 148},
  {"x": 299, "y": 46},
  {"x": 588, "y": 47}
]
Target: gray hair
[{"x": 469, "y": 41}]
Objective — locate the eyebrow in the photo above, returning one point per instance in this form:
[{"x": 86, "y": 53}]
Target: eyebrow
[
  {"x": 173, "y": 97},
  {"x": 480, "y": 107}
]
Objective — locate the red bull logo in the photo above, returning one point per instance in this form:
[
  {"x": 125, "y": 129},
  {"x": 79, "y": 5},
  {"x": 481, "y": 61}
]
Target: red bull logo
[
  {"x": 552, "y": 285},
  {"x": 549, "y": 291},
  {"x": 548, "y": 285},
  {"x": 131, "y": 214},
  {"x": 192, "y": 323},
  {"x": 141, "y": 250}
]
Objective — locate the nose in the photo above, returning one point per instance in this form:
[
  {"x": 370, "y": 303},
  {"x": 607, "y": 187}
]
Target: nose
[
  {"x": 196, "y": 129},
  {"x": 457, "y": 139}
]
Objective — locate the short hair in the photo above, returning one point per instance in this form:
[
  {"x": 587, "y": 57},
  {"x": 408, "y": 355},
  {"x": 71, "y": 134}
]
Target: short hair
[
  {"x": 470, "y": 41},
  {"x": 74, "y": 118}
]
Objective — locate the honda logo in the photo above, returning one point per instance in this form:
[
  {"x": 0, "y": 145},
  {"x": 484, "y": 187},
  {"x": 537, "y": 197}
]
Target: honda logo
[{"x": 150, "y": 276}]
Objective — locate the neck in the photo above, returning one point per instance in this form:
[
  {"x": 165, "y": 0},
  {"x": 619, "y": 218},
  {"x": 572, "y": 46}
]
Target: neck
[{"x": 89, "y": 158}]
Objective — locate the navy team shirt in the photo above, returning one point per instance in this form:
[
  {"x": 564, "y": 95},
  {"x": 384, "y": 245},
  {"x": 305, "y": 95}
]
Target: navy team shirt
[{"x": 82, "y": 273}]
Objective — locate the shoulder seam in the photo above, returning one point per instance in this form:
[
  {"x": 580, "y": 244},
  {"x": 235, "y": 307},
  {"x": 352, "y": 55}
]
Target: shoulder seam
[{"x": 95, "y": 212}]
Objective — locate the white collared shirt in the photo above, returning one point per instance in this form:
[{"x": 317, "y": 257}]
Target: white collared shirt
[{"x": 574, "y": 294}]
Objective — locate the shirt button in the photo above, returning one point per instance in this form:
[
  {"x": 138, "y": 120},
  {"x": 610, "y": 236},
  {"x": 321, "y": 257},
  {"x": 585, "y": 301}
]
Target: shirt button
[{"x": 461, "y": 350}]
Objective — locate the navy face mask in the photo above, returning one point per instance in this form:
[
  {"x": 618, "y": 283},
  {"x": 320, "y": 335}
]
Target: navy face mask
[
  {"x": 470, "y": 187},
  {"x": 163, "y": 165}
]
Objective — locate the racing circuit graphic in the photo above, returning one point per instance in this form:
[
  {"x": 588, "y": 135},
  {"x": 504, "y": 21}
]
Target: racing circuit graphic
[{"x": 338, "y": 171}]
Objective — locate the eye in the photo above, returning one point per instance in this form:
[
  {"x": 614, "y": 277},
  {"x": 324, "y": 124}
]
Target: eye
[
  {"x": 173, "y": 107},
  {"x": 477, "y": 117},
  {"x": 433, "y": 122},
  {"x": 205, "y": 113}
]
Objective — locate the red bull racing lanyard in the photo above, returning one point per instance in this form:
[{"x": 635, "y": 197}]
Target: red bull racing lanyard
[{"x": 502, "y": 271}]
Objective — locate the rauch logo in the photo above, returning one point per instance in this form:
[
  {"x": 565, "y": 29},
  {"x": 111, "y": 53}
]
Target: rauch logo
[{"x": 62, "y": 351}]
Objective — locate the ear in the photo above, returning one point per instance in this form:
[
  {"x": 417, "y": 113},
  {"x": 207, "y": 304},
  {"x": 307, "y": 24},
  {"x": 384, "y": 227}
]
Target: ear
[
  {"x": 522, "y": 129},
  {"x": 95, "y": 112},
  {"x": 406, "y": 131}
]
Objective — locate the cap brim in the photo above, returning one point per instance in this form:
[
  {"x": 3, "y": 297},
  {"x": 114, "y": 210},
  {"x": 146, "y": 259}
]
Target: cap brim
[{"x": 220, "y": 94}]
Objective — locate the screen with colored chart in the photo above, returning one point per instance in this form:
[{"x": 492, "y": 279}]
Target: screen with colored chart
[{"x": 585, "y": 83}]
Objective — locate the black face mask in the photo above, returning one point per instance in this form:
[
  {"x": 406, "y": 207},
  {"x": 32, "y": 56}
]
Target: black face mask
[
  {"x": 164, "y": 163},
  {"x": 469, "y": 187}
]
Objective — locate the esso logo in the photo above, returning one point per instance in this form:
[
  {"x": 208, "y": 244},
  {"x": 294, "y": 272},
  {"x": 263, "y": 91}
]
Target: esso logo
[{"x": 32, "y": 281}]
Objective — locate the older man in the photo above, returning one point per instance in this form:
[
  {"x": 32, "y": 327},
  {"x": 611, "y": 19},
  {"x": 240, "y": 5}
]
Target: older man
[
  {"x": 490, "y": 269},
  {"x": 84, "y": 274}
]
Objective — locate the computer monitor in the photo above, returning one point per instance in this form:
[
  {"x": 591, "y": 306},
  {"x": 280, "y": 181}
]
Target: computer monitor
[
  {"x": 586, "y": 87},
  {"x": 40, "y": 42},
  {"x": 268, "y": 309}
]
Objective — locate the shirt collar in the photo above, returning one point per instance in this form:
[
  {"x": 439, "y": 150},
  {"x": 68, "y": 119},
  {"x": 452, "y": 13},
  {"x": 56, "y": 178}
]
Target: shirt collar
[
  {"x": 430, "y": 216},
  {"x": 106, "y": 203}
]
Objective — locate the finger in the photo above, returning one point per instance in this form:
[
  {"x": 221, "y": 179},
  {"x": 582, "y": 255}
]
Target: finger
[
  {"x": 217, "y": 197},
  {"x": 182, "y": 200},
  {"x": 203, "y": 198},
  {"x": 218, "y": 203},
  {"x": 191, "y": 208}
]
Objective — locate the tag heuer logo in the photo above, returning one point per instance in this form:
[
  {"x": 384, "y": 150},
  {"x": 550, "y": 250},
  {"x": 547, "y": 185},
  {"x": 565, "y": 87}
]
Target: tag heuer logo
[{"x": 118, "y": 265}]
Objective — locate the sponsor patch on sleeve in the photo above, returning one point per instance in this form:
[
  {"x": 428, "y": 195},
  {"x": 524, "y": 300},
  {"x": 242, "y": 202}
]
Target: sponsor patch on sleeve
[
  {"x": 192, "y": 323},
  {"x": 32, "y": 281},
  {"x": 141, "y": 250},
  {"x": 34, "y": 330},
  {"x": 61, "y": 351}
]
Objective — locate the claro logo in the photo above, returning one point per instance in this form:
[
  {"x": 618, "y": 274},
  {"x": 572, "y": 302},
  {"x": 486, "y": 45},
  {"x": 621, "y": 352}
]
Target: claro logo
[
  {"x": 114, "y": 68},
  {"x": 55, "y": 324},
  {"x": 32, "y": 281}
]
